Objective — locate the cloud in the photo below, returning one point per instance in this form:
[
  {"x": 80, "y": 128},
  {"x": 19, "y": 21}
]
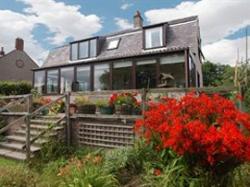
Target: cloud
[
  {"x": 123, "y": 23},
  {"x": 218, "y": 19},
  {"x": 225, "y": 51},
  {"x": 15, "y": 25},
  {"x": 64, "y": 21},
  {"x": 125, "y": 6}
]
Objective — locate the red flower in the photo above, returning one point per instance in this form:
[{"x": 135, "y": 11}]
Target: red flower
[
  {"x": 208, "y": 127},
  {"x": 157, "y": 172}
]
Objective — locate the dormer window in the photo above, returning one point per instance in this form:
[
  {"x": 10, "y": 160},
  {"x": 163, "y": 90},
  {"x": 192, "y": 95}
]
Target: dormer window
[
  {"x": 84, "y": 49},
  {"x": 153, "y": 37},
  {"x": 113, "y": 44}
]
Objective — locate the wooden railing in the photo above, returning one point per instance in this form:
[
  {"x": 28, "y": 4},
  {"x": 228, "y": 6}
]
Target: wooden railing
[
  {"x": 37, "y": 112},
  {"x": 27, "y": 97}
]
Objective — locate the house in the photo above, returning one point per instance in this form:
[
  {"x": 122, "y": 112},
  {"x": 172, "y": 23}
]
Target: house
[
  {"x": 17, "y": 64},
  {"x": 161, "y": 55}
]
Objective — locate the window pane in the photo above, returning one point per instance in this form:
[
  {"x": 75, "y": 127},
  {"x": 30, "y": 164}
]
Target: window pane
[
  {"x": 154, "y": 37},
  {"x": 39, "y": 81},
  {"x": 84, "y": 49},
  {"x": 52, "y": 81},
  {"x": 192, "y": 73},
  {"x": 83, "y": 78},
  {"x": 113, "y": 44},
  {"x": 67, "y": 77},
  {"x": 74, "y": 51},
  {"x": 146, "y": 74},
  {"x": 101, "y": 77},
  {"x": 93, "y": 48},
  {"x": 172, "y": 73},
  {"x": 122, "y": 75}
]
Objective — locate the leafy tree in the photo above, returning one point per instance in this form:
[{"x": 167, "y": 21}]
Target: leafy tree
[{"x": 217, "y": 74}]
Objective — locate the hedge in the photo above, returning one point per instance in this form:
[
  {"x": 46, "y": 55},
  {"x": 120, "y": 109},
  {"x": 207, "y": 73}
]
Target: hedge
[{"x": 15, "y": 87}]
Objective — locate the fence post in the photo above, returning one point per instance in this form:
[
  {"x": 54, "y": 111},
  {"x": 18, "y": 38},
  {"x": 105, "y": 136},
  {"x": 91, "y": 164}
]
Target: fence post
[
  {"x": 68, "y": 129},
  {"x": 27, "y": 121}
]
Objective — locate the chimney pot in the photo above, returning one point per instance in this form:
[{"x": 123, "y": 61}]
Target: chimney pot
[
  {"x": 19, "y": 44},
  {"x": 2, "y": 53},
  {"x": 138, "y": 20}
]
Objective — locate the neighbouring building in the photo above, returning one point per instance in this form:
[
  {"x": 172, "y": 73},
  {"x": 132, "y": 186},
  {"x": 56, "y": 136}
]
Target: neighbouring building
[
  {"x": 166, "y": 54},
  {"x": 17, "y": 64}
]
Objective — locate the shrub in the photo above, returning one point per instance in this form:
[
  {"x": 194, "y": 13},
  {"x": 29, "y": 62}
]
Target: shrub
[
  {"x": 204, "y": 130},
  {"x": 15, "y": 87}
]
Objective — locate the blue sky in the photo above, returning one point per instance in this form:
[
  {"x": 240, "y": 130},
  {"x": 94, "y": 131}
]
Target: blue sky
[{"x": 45, "y": 24}]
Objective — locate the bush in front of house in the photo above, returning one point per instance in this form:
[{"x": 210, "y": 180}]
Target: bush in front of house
[
  {"x": 15, "y": 87},
  {"x": 206, "y": 135}
]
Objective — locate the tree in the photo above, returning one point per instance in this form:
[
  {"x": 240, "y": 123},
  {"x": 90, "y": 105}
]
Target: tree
[{"x": 217, "y": 74}]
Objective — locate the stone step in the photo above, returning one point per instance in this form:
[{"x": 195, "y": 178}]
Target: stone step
[
  {"x": 41, "y": 127},
  {"x": 18, "y": 146},
  {"x": 22, "y": 139},
  {"x": 15, "y": 155},
  {"x": 22, "y": 132},
  {"x": 42, "y": 121}
]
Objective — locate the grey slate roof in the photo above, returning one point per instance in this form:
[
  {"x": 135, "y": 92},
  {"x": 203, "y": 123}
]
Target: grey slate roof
[{"x": 180, "y": 34}]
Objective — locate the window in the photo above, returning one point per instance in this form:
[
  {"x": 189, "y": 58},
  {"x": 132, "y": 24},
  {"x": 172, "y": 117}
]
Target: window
[
  {"x": 113, "y": 44},
  {"x": 121, "y": 75},
  {"x": 192, "y": 72},
  {"x": 67, "y": 78},
  {"x": 74, "y": 51},
  {"x": 83, "y": 49},
  {"x": 39, "y": 81},
  {"x": 154, "y": 37},
  {"x": 83, "y": 78},
  {"x": 101, "y": 77},
  {"x": 172, "y": 71},
  {"x": 146, "y": 74},
  {"x": 93, "y": 48},
  {"x": 52, "y": 81}
]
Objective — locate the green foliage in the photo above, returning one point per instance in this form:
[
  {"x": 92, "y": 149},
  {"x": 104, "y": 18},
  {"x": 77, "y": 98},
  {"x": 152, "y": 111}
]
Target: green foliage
[
  {"x": 247, "y": 99},
  {"x": 102, "y": 103},
  {"x": 17, "y": 175},
  {"x": 90, "y": 175},
  {"x": 15, "y": 87},
  {"x": 82, "y": 100},
  {"x": 217, "y": 74}
]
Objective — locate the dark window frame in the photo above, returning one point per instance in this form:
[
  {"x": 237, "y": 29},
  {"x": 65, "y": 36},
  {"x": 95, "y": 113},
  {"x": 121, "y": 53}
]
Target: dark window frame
[
  {"x": 78, "y": 48},
  {"x": 58, "y": 81},
  {"x": 164, "y": 32}
]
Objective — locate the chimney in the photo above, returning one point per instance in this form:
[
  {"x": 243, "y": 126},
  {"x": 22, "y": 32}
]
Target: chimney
[
  {"x": 19, "y": 44},
  {"x": 2, "y": 53},
  {"x": 138, "y": 21}
]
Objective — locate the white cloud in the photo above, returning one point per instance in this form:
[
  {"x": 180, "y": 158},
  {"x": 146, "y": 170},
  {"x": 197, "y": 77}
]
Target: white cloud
[
  {"x": 123, "y": 23},
  {"x": 218, "y": 19},
  {"x": 15, "y": 25},
  {"x": 225, "y": 51},
  {"x": 125, "y": 6},
  {"x": 62, "y": 20}
]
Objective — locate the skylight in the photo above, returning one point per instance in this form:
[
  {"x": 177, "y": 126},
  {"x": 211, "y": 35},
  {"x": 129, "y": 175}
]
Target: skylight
[{"x": 113, "y": 44}]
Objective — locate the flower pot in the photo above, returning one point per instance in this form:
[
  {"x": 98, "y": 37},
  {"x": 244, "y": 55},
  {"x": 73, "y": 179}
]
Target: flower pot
[
  {"x": 106, "y": 110},
  {"x": 136, "y": 111},
  {"x": 126, "y": 109},
  {"x": 118, "y": 109},
  {"x": 87, "y": 109}
]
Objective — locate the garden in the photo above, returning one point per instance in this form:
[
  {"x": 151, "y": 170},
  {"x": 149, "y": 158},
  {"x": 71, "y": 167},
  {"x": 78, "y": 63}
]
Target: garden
[{"x": 194, "y": 141}]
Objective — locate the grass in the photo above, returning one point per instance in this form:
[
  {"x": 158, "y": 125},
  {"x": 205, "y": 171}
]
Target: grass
[{"x": 86, "y": 167}]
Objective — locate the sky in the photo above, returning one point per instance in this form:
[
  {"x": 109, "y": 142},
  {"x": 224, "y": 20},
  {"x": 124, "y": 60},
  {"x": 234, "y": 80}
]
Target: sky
[{"x": 46, "y": 24}]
